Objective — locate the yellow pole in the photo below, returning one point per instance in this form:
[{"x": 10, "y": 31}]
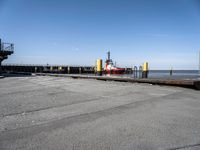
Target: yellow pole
[
  {"x": 145, "y": 70},
  {"x": 99, "y": 67}
]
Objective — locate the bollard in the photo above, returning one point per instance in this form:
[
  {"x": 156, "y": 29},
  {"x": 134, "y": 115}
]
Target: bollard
[
  {"x": 51, "y": 69},
  {"x": 140, "y": 72},
  {"x": 171, "y": 71},
  {"x": 79, "y": 70},
  {"x": 59, "y": 69},
  {"x": 95, "y": 69},
  {"x": 145, "y": 70},
  {"x": 99, "y": 67},
  {"x": 68, "y": 69}
]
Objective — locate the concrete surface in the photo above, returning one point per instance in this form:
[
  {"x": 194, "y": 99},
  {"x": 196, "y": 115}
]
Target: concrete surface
[{"x": 81, "y": 114}]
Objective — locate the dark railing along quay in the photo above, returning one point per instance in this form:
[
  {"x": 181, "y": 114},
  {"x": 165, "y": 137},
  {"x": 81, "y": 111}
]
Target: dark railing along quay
[
  {"x": 47, "y": 68},
  {"x": 64, "y": 69}
]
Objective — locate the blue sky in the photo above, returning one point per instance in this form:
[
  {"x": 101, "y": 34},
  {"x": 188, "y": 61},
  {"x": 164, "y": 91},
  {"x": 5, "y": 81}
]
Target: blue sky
[{"x": 76, "y": 32}]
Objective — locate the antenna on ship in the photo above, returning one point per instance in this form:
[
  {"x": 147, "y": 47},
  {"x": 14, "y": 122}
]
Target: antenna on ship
[{"x": 108, "y": 55}]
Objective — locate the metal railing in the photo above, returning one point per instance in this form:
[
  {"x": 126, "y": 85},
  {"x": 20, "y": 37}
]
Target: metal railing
[{"x": 6, "y": 46}]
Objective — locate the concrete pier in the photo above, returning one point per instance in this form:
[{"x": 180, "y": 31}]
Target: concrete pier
[
  {"x": 51, "y": 113},
  {"x": 195, "y": 84}
]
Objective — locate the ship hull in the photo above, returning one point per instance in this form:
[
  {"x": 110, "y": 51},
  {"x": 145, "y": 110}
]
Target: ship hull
[
  {"x": 115, "y": 71},
  {"x": 110, "y": 68}
]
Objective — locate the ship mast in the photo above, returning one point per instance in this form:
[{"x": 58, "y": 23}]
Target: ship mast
[{"x": 108, "y": 55}]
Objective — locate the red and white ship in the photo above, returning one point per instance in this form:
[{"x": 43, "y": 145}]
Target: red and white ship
[{"x": 110, "y": 68}]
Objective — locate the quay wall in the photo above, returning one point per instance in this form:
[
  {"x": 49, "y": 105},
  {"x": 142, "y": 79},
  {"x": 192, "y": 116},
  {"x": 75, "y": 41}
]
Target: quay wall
[{"x": 52, "y": 69}]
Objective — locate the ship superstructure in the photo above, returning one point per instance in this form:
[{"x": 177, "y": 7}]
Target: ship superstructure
[{"x": 111, "y": 68}]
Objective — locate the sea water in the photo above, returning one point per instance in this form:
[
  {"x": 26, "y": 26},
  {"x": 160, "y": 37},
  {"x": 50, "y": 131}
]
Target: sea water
[
  {"x": 165, "y": 74},
  {"x": 177, "y": 74}
]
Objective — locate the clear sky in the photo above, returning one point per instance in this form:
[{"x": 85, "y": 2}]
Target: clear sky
[{"x": 76, "y": 32}]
